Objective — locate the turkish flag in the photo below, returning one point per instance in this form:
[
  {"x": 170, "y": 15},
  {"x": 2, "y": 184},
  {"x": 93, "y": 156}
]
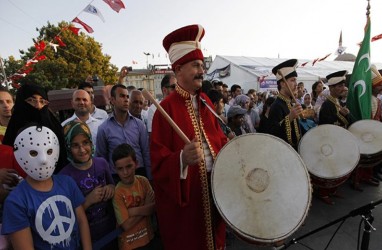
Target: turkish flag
[
  {"x": 116, "y": 5},
  {"x": 86, "y": 27},
  {"x": 75, "y": 30}
]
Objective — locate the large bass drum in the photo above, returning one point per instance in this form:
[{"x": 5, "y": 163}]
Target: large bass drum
[
  {"x": 261, "y": 188},
  {"x": 330, "y": 153}
]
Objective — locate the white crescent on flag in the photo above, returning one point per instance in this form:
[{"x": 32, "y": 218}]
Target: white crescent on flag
[
  {"x": 362, "y": 84},
  {"x": 365, "y": 56}
]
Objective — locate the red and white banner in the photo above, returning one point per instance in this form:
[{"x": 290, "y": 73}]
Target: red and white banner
[
  {"x": 116, "y": 5},
  {"x": 86, "y": 27}
]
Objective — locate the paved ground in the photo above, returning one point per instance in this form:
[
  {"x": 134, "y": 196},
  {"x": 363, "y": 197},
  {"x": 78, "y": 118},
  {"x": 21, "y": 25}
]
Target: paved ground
[{"x": 321, "y": 214}]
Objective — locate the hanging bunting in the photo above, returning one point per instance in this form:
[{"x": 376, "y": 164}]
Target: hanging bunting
[
  {"x": 93, "y": 10},
  {"x": 73, "y": 29},
  {"x": 116, "y": 5},
  {"x": 54, "y": 46},
  {"x": 303, "y": 65},
  {"x": 86, "y": 27},
  {"x": 321, "y": 59},
  {"x": 40, "y": 58},
  {"x": 40, "y": 46},
  {"x": 377, "y": 37},
  {"x": 314, "y": 61},
  {"x": 60, "y": 42}
]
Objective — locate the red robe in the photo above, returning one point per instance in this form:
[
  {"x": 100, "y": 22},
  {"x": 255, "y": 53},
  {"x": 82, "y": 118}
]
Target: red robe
[
  {"x": 186, "y": 214},
  {"x": 8, "y": 160}
]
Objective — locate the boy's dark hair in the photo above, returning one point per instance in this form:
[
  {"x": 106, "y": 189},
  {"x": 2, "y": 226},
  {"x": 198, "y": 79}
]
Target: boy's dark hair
[
  {"x": 114, "y": 89},
  {"x": 214, "y": 95},
  {"x": 84, "y": 85},
  {"x": 122, "y": 151}
]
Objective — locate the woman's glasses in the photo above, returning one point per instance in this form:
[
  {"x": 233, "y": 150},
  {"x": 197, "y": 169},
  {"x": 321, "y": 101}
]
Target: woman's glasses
[{"x": 34, "y": 101}]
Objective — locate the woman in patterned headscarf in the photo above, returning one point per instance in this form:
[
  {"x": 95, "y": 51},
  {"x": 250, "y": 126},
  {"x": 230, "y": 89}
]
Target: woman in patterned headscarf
[
  {"x": 31, "y": 106},
  {"x": 93, "y": 177}
]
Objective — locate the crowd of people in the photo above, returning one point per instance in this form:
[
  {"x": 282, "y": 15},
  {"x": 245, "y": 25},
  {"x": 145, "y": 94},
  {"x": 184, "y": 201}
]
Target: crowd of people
[{"x": 128, "y": 179}]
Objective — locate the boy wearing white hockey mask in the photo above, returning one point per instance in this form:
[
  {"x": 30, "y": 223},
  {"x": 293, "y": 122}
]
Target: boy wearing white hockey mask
[{"x": 44, "y": 211}]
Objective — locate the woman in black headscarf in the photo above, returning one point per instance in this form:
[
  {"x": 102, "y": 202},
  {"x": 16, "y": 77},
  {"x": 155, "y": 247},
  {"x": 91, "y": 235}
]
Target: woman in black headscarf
[{"x": 32, "y": 106}]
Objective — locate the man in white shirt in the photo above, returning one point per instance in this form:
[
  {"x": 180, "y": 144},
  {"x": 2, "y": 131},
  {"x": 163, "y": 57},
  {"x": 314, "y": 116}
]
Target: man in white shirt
[
  {"x": 81, "y": 104},
  {"x": 95, "y": 112}
]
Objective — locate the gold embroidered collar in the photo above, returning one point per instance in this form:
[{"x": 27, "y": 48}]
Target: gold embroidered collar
[{"x": 337, "y": 105}]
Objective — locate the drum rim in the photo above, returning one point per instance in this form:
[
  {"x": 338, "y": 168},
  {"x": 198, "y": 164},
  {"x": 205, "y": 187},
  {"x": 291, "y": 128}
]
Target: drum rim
[{"x": 246, "y": 235}]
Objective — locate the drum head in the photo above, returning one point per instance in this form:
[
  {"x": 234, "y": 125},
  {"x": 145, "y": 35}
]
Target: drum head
[
  {"x": 369, "y": 136},
  {"x": 329, "y": 151},
  {"x": 261, "y": 188}
]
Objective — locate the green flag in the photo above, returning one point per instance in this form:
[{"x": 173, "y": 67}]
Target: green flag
[{"x": 359, "y": 95}]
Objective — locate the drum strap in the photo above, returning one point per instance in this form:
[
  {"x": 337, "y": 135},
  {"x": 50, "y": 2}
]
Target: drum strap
[{"x": 216, "y": 115}]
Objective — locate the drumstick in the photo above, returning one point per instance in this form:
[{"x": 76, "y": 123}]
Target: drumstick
[{"x": 148, "y": 96}]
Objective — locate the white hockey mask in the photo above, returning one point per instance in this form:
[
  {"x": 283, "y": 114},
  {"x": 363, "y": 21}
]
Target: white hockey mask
[{"x": 37, "y": 150}]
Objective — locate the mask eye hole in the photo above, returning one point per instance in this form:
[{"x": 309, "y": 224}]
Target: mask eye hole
[
  {"x": 33, "y": 153},
  {"x": 49, "y": 152}
]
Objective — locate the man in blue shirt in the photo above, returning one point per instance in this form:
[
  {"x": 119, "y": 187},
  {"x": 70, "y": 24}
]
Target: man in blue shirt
[{"x": 122, "y": 127}]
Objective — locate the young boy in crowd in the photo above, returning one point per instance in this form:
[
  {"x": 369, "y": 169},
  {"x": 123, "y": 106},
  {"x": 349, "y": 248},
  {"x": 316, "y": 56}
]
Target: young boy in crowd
[
  {"x": 44, "y": 211},
  {"x": 93, "y": 177},
  {"x": 133, "y": 202}
]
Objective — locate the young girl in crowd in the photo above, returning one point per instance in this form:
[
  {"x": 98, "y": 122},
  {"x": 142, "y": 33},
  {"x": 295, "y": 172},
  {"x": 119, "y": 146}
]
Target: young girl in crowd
[{"x": 93, "y": 177}]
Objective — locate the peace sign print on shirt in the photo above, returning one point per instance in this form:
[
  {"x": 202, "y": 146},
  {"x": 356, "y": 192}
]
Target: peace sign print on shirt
[{"x": 53, "y": 223}]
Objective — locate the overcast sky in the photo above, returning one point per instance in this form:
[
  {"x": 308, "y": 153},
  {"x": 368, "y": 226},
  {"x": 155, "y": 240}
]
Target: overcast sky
[{"x": 305, "y": 29}]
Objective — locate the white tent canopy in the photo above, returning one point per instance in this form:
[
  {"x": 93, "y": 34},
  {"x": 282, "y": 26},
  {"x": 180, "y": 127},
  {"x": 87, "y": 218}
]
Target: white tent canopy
[{"x": 250, "y": 72}]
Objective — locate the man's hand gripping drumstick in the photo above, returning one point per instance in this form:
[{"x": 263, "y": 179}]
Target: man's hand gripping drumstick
[{"x": 192, "y": 151}]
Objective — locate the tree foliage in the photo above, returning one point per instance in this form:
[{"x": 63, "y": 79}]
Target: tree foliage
[{"x": 82, "y": 56}]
